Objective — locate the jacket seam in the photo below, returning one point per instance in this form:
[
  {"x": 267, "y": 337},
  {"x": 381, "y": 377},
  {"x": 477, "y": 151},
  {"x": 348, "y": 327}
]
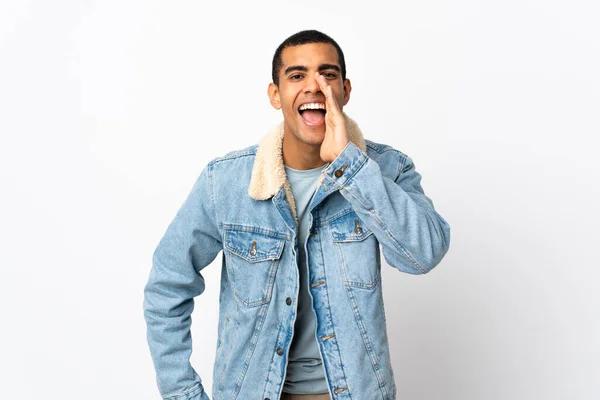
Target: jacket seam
[
  {"x": 229, "y": 350},
  {"x": 268, "y": 382},
  {"x": 212, "y": 195},
  {"x": 377, "y": 148},
  {"x": 212, "y": 199},
  {"x": 369, "y": 347},
  {"x": 399, "y": 167},
  {"x": 254, "y": 229},
  {"x": 319, "y": 222},
  {"x": 197, "y": 386},
  {"x": 328, "y": 315},
  {"x": 356, "y": 170},
  {"x": 404, "y": 162},
  {"x": 235, "y": 155},
  {"x": 262, "y": 314},
  {"x": 380, "y": 148}
]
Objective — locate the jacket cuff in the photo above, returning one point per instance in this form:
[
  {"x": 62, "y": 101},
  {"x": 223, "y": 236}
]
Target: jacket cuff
[
  {"x": 346, "y": 165},
  {"x": 195, "y": 393}
]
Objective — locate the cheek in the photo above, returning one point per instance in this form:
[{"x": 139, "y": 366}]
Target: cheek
[
  {"x": 338, "y": 94},
  {"x": 287, "y": 98},
  {"x": 288, "y": 110},
  {"x": 288, "y": 105}
]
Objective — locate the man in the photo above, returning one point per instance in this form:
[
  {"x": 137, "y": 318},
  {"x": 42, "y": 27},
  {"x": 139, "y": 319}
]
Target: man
[{"x": 300, "y": 219}]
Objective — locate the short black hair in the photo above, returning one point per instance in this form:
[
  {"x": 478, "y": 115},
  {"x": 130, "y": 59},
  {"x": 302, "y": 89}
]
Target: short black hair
[{"x": 305, "y": 37}]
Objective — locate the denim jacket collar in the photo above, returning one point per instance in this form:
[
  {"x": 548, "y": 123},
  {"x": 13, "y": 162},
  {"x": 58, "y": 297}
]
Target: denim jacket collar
[{"x": 268, "y": 171}]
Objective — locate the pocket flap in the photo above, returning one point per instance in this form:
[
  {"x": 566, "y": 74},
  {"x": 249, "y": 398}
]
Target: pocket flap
[
  {"x": 349, "y": 228},
  {"x": 252, "y": 246}
]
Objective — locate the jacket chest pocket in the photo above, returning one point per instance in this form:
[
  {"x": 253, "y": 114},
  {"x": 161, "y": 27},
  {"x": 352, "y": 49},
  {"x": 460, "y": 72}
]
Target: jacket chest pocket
[
  {"x": 252, "y": 261},
  {"x": 358, "y": 250}
]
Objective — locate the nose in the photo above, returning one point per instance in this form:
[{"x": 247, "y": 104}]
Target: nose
[{"x": 311, "y": 85}]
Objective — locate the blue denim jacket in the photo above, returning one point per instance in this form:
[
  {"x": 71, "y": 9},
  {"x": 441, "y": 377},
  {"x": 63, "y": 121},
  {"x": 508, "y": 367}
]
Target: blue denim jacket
[{"x": 369, "y": 201}]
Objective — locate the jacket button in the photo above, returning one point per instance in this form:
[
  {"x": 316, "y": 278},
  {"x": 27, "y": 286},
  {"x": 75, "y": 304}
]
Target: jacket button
[
  {"x": 288, "y": 301},
  {"x": 280, "y": 351},
  {"x": 338, "y": 173}
]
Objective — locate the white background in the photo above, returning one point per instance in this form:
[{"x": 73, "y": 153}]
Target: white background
[{"x": 110, "y": 109}]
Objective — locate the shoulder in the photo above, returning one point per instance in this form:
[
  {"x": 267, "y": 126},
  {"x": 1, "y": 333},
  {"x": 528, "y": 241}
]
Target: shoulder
[
  {"x": 386, "y": 155},
  {"x": 245, "y": 153},
  {"x": 234, "y": 167},
  {"x": 240, "y": 159}
]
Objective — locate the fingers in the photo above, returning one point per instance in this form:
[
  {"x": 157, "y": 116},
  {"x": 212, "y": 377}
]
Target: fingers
[{"x": 330, "y": 102}]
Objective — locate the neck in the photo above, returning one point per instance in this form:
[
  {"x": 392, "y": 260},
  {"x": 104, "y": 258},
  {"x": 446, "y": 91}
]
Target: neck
[{"x": 299, "y": 155}]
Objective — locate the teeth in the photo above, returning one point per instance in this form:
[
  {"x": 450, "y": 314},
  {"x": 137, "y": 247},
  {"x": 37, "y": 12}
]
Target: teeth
[{"x": 312, "y": 106}]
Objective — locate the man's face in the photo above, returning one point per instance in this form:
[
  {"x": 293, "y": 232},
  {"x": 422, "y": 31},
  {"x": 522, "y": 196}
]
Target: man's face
[{"x": 298, "y": 86}]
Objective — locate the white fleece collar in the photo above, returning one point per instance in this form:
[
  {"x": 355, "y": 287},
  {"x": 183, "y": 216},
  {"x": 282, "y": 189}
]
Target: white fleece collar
[{"x": 268, "y": 172}]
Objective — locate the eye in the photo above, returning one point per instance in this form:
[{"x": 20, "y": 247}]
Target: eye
[
  {"x": 295, "y": 77},
  {"x": 329, "y": 75}
]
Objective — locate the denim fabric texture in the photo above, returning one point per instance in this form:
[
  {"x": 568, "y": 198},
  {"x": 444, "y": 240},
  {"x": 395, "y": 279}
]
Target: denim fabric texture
[{"x": 369, "y": 201}]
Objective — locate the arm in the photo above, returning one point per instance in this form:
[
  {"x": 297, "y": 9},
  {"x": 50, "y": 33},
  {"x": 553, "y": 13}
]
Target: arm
[
  {"x": 190, "y": 243},
  {"x": 413, "y": 236}
]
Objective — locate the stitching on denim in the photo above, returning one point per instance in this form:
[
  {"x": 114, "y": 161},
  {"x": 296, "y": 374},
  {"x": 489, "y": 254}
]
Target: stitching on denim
[
  {"x": 272, "y": 363},
  {"x": 254, "y": 229},
  {"x": 402, "y": 249},
  {"x": 223, "y": 332},
  {"x": 266, "y": 298},
  {"x": 353, "y": 171},
  {"x": 197, "y": 386},
  {"x": 353, "y": 238},
  {"x": 251, "y": 151},
  {"x": 261, "y": 319},
  {"x": 335, "y": 342},
  {"x": 374, "y": 146},
  {"x": 381, "y": 148},
  {"x": 356, "y": 198},
  {"x": 404, "y": 163},
  {"x": 319, "y": 221},
  {"x": 348, "y": 282},
  {"x": 274, "y": 254},
  {"x": 226, "y": 360},
  {"x": 389, "y": 234},
  {"x": 272, "y": 274},
  {"x": 399, "y": 168},
  {"x": 245, "y": 302},
  {"x": 212, "y": 193},
  {"x": 367, "y": 342}
]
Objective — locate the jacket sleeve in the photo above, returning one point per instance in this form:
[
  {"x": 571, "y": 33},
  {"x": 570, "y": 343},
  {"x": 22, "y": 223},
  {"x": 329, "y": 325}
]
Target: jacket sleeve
[
  {"x": 190, "y": 243},
  {"x": 413, "y": 236}
]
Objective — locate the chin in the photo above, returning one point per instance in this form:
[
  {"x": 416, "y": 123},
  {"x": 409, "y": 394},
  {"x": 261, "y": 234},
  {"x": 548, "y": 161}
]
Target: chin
[{"x": 312, "y": 136}]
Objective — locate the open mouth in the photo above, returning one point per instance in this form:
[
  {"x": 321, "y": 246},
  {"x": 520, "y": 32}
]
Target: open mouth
[{"x": 313, "y": 114}]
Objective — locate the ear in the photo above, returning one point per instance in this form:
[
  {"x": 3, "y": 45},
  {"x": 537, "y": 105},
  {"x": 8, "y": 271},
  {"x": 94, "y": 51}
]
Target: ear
[
  {"x": 347, "y": 90},
  {"x": 273, "y": 92}
]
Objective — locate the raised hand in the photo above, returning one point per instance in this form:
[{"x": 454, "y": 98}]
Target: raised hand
[{"x": 336, "y": 135}]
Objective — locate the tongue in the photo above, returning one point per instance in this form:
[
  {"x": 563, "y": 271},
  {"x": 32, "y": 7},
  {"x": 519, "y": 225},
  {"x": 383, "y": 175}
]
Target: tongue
[{"x": 313, "y": 116}]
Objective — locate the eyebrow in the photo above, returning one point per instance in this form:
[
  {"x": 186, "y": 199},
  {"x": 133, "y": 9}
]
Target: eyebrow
[{"x": 302, "y": 68}]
